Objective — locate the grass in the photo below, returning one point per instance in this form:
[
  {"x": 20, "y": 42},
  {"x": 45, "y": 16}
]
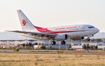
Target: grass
[{"x": 51, "y": 60}]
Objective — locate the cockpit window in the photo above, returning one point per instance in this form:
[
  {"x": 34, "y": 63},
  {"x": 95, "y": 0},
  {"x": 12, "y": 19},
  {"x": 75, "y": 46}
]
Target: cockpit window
[{"x": 91, "y": 27}]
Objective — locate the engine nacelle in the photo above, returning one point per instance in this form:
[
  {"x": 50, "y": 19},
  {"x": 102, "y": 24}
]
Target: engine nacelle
[{"x": 61, "y": 37}]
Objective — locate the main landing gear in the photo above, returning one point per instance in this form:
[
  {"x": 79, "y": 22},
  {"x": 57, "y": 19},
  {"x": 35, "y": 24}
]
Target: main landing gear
[
  {"x": 53, "y": 42},
  {"x": 62, "y": 42}
]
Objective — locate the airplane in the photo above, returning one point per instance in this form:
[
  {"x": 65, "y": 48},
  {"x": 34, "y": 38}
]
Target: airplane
[{"x": 61, "y": 33}]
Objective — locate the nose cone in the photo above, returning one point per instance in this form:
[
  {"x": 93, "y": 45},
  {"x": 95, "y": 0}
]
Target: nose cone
[{"x": 96, "y": 30}]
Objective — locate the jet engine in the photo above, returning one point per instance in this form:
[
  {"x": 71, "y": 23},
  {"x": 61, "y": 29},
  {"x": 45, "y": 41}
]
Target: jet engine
[{"x": 61, "y": 37}]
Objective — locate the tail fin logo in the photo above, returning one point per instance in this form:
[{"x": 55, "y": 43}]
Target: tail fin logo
[{"x": 24, "y": 22}]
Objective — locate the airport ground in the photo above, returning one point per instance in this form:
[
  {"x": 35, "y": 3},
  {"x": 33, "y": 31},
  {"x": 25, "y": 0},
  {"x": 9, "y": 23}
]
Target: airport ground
[
  {"x": 51, "y": 60},
  {"x": 54, "y": 52}
]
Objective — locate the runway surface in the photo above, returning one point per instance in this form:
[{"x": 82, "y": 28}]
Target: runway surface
[
  {"x": 54, "y": 54},
  {"x": 33, "y": 50},
  {"x": 44, "y": 52}
]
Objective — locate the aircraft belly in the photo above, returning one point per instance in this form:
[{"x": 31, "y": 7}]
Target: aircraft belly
[{"x": 75, "y": 34}]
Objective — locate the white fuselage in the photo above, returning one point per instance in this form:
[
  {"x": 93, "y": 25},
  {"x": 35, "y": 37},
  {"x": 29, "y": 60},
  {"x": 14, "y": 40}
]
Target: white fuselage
[
  {"x": 73, "y": 31},
  {"x": 54, "y": 33}
]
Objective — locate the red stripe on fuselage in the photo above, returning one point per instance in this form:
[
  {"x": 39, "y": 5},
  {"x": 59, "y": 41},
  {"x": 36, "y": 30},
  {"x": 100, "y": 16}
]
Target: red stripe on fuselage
[
  {"x": 38, "y": 27},
  {"x": 45, "y": 30}
]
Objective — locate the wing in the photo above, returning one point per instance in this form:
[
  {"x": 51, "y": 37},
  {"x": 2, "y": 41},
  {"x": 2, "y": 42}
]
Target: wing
[{"x": 36, "y": 34}]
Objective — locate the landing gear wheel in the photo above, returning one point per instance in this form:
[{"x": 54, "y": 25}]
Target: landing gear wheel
[
  {"x": 53, "y": 42},
  {"x": 63, "y": 42},
  {"x": 88, "y": 39}
]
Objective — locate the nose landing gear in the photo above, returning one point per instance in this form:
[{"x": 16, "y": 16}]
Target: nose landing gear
[{"x": 88, "y": 39}]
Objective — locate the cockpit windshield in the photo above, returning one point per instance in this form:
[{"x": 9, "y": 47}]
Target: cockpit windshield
[{"x": 91, "y": 27}]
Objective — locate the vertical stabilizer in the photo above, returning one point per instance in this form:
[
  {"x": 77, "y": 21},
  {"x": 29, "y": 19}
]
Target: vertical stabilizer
[{"x": 25, "y": 22}]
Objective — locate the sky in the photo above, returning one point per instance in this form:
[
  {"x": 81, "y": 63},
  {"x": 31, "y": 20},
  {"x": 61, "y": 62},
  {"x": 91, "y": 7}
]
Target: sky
[{"x": 51, "y": 13}]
